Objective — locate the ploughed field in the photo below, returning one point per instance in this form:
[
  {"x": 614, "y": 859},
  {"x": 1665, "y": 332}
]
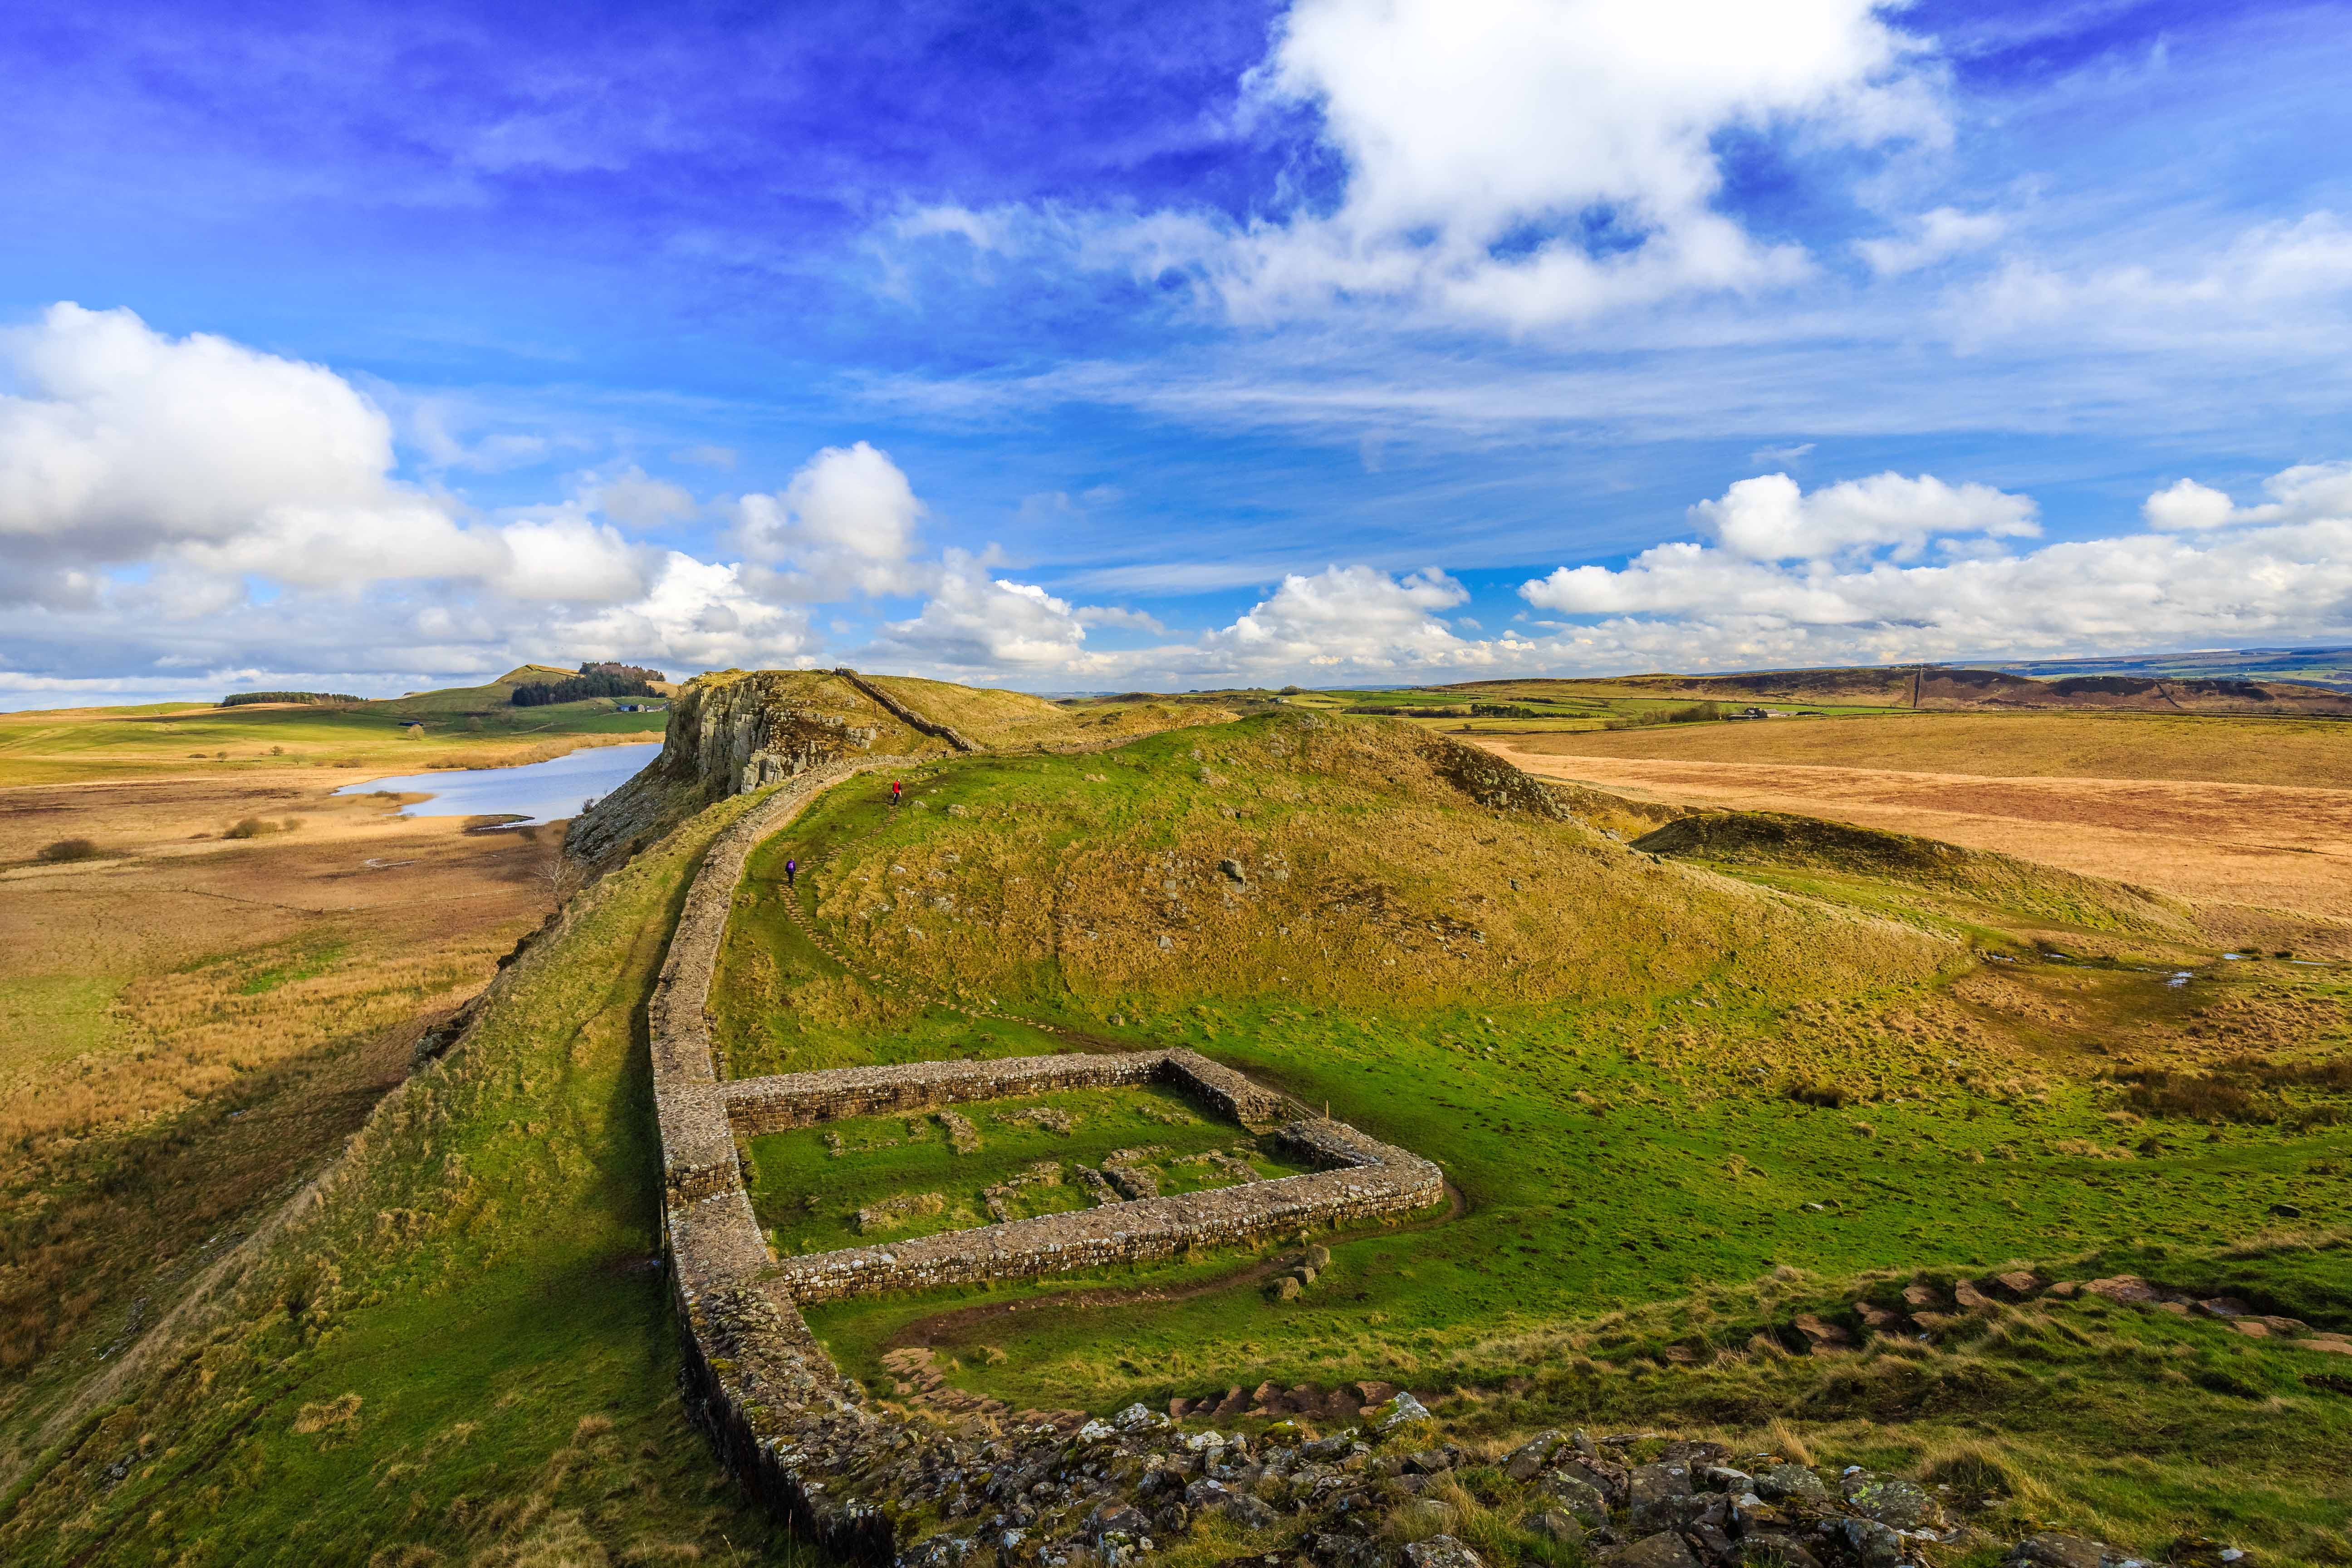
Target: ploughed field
[{"x": 1646, "y": 1080}]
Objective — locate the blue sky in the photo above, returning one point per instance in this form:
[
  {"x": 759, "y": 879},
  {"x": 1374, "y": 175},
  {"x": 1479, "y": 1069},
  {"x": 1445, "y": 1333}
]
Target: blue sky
[{"x": 1088, "y": 347}]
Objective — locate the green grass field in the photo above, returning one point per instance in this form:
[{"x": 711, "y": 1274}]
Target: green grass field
[
  {"x": 465, "y": 1350},
  {"x": 1632, "y": 1141},
  {"x": 464, "y": 727},
  {"x": 1679, "y": 1103},
  {"x": 808, "y": 1185}
]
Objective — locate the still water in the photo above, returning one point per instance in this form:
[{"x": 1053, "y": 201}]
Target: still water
[{"x": 537, "y": 792}]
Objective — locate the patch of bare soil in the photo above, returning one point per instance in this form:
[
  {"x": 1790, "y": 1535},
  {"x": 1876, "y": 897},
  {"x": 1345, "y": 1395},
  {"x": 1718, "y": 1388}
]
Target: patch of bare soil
[{"x": 2235, "y": 849}]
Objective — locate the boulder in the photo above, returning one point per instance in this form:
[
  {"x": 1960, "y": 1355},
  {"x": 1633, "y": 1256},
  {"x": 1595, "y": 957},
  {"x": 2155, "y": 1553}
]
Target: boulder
[
  {"x": 1287, "y": 1288},
  {"x": 1441, "y": 1551},
  {"x": 1652, "y": 1493},
  {"x": 1891, "y": 1500},
  {"x": 1784, "y": 1481},
  {"x": 1870, "y": 1543},
  {"x": 1663, "y": 1550},
  {"x": 1527, "y": 1459},
  {"x": 1554, "y": 1525},
  {"x": 1579, "y": 1496},
  {"x": 2052, "y": 1549}
]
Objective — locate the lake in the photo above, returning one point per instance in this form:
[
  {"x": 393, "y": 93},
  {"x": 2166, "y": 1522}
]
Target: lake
[{"x": 536, "y": 791}]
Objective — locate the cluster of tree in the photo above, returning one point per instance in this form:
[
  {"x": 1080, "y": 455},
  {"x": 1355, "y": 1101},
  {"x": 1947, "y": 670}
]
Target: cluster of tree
[
  {"x": 593, "y": 681},
  {"x": 1696, "y": 713},
  {"x": 241, "y": 698},
  {"x": 1502, "y": 710}
]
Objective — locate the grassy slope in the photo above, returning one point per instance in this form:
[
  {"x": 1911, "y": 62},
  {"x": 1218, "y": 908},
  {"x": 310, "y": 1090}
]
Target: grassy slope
[
  {"x": 2034, "y": 745},
  {"x": 1014, "y": 720},
  {"x": 1750, "y": 839},
  {"x": 459, "y": 1350},
  {"x": 1620, "y": 1134}
]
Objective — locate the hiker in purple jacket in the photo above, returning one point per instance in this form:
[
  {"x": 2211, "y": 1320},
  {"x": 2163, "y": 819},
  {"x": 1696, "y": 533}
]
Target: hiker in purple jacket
[{"x": 791, "y": 869}]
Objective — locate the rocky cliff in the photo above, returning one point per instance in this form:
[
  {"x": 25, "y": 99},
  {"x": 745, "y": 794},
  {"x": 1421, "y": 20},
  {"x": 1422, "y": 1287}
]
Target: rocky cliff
[{"x": 737, "y": 731}]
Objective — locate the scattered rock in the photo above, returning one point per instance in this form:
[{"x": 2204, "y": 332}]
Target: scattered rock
[
  {"x": 1578, "y": 1496},
  {"x": 1663, "y": 1550},
  {"x": 1528, "y": 1461},
  {"x": 1784, "y": 1481},
  {"x": 1870, "y": 1543},
  {"x": 2050, "y": 1550},
  {"x": 1891, "y": 1500},
  {"x": 1554, "y": 1525},
  {"x": 1441, "y": 1551},
  {"x": 1404, "y": 1407}
]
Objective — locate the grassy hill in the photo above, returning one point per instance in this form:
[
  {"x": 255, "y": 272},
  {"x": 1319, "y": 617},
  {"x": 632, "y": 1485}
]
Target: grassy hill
[{"x": 1678, "y": 1106}]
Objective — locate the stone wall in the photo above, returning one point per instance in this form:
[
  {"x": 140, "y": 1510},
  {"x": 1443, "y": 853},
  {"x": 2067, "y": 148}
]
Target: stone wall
[
  {"x": 1387, "y": 1181},
  {"x": 800, "y": 1435},
  {"x": 804, "y": 1098}
]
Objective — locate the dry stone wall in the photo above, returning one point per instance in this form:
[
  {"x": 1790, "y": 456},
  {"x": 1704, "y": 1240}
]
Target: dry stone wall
[{"x": 799, "y": 1435}]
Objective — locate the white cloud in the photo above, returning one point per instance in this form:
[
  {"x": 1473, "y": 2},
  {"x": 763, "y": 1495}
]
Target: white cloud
[
  {"x": 2187, "y": 507},
  {"x": 1768, "y": 518},
  {"x": 1518, "y": 163},
  {"x": 2305, "y": 493},
  {"x": 1781, "y": 457},
  {"x": 635, "y": 497},
  {"x": 2284, "y": 570},
  {"x": 973, "y": 621},
  {"x": 2269, "y": 282},
  {"x": 1348, "y": 615},
  {"x": 1119, "y": 615},
  {"x": 121, "y": 440},
  {"x": 846, "y": 522},
  {"x": 1931, "y": 237}
]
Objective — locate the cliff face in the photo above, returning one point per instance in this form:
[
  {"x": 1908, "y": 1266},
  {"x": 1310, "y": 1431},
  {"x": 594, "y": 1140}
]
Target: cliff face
[{"x": 735, "y": 732}]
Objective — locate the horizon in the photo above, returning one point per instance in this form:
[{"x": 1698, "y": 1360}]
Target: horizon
[
  {"x": 9, "y": 702},
  {"x": 1318, "y": 343}
]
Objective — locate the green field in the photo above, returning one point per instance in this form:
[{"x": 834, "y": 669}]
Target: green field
[
  {"x": 1678, "y": 1104},
  {"x": 809, "y": 1185},
  {"x": 1638, "y": 1131},
  {"x": 465, "y": 727}
]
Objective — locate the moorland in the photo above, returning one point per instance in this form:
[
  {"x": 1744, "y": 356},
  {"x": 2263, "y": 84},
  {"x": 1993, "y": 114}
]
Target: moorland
[{"x": 1717, "y": 1067}]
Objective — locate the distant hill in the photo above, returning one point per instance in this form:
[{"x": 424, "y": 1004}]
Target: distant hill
[{"x": 1948, "y": 687}]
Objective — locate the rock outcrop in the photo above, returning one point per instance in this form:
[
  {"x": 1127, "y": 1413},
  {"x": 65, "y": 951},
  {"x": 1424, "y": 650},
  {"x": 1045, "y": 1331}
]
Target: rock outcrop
[{"x": 734, "y": 732}]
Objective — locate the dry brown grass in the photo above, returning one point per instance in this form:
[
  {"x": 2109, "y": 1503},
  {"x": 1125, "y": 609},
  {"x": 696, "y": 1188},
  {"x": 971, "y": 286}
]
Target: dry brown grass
[
  {"x": 194, "y": 1018},
  {"x": 2266, "y": 863},
  {"x": 1014, "y": 720},
  {"x": 1998, "y": 745}
]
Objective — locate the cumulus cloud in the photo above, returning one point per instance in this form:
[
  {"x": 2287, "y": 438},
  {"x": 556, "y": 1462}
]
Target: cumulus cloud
[
  {"x": 1348, "y": 615},
  {"x": 2206, "y": 574},
  {"x": 973, "y": 621},
  {"x": 846, "y": 523},
  {"x": 2307, "y": 492},
  {"x": 1768, "y": 518},
  {"x": 194, "y": 504},
  {"x": 1521, "y": 163}
]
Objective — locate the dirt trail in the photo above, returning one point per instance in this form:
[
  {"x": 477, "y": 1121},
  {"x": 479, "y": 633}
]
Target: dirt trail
[{"x": 2261, "y": 846}]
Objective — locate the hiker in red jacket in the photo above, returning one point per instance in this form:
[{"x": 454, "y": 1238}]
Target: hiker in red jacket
[{"x": 895, "y": 787}]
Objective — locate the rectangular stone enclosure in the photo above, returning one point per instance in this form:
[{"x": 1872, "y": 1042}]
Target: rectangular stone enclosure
[{"x": 1360, "y": 1177}]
